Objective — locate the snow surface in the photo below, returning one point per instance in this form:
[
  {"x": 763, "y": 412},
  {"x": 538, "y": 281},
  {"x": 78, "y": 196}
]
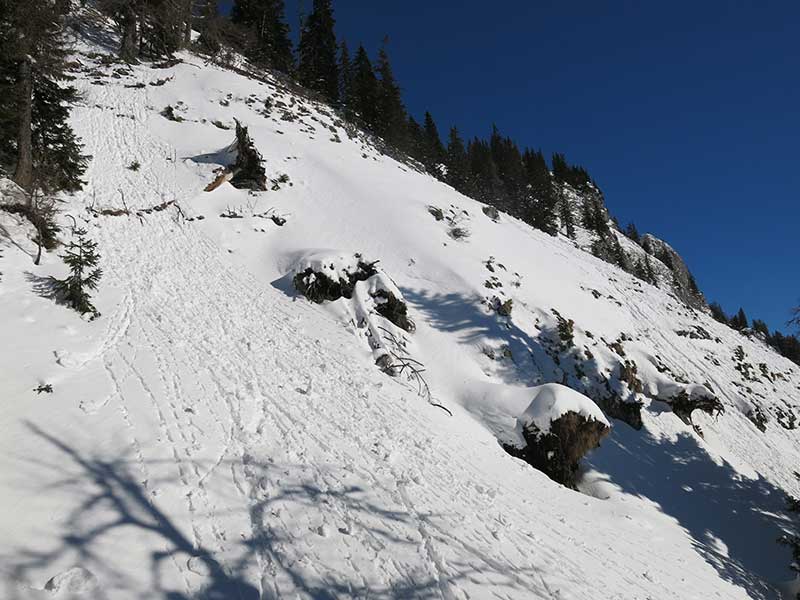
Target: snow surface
[
  {"x": 213, "y": 435},
  {"x": 552, "y": 401}
]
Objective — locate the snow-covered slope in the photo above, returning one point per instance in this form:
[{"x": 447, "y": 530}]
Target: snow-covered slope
[{"x": 215, "y": 435}]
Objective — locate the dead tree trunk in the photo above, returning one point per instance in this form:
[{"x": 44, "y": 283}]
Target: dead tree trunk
[{"x": 23, "y": 174}]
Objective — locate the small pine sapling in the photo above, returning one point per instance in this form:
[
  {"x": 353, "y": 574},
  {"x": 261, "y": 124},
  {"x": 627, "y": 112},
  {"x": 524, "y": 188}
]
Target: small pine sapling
[{"x": 82, "y": 258}]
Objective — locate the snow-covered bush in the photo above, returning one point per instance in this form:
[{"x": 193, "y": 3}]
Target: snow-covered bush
[{"x": 559, "y": 426}]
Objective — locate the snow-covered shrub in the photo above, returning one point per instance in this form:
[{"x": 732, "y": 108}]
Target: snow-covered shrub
[
  {"x": 559, "y": 427},
  {"x": 694, "y": 397}
]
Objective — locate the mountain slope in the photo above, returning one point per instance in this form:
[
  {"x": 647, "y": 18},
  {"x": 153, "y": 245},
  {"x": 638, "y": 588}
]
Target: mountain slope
[{"x": 215, "y": 435}]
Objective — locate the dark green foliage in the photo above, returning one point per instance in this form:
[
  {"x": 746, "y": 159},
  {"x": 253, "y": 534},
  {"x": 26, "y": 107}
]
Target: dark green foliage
[
  {"x": 540, "y": 200},
  {"x": 574, "y": 175},
  {"x": 761, "y": 327},
  {"x": 265, "y": 22},
  {"x": 565, "y": 214},
  {"x": 434, "y": 152},
  {"x": 345, "y": 78},
  {"x": 456, "y": 162},
  {"x": 36, "y": 141},
  {"x": 718, "y": 313},
  {"x": 362, "y": 100},
  {"x": 632, "y": 233},
  {"x": 248, "y": 171},
  {"x": 82, "y": 259},
  {"x": 318, "y": 69},
  {"x": 391, "y": 113},
  {"x": 739, "y": 320}
]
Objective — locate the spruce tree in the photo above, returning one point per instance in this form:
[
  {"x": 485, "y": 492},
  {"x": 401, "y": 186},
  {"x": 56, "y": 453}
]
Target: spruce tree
[
  {"x": 632, "y": 233},
  {"x": 718, "y": 313},
  {"x": 36, "y": 141},
  {"x": 434, "y": 150},
  {"x": 345, "y": 78},
  {"x": 391, "y": 114},
  {"x": 456, "y": 162},
  {"x": 543, "y": 201},
  {"x": 318, "y": 69},
  {"x": 363, "y": 97},
  {"x": 565, "y": 214},
  {"x": 266, "y": 22},
  {"x": 82, "y": 259},
  {"x": 739, "y": 320}
]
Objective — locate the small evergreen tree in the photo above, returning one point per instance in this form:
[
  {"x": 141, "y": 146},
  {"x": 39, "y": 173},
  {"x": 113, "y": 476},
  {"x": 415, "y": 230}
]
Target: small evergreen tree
[
  {"x": 318, "y": 69},
  {"x": 82, "y": 259}
]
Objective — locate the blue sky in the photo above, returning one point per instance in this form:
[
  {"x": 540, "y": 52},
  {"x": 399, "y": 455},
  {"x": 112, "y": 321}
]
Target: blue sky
[{"x": 686, "y": 113}]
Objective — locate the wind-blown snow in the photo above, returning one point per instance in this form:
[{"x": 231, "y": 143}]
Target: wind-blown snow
[{"x": 215, "y": 435}]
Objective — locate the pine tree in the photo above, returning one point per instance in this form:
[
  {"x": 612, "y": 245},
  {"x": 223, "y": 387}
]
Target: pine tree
[
  {"x": 36, "y": 141},
  {"x": 363, "y": 99},
  {"x": 761, "y": 327},
  {"x": 632, "y": 232},
  {"x": 542, "y": 202},
  {"x": 718, "y": 313},
  {"x": 739, "y": 320},
  {"x": 795, "y": 320},
  {"x": 345, "y": 78},
  {"x": 434, "y": 150},
  {"x": 82, "y": 259},
  {"x": 415, "y": 140},
  {"x": 456, "y": 162},
  {"x": 391, "y": 114},
  {"x": 318, "y": 69},
  {"x": 266, "y": 22}
]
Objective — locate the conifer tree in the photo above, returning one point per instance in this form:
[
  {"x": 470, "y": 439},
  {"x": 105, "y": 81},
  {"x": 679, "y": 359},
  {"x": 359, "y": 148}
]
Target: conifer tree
[
  {"x": 363, "y": 98},
  {"x": 456, "y": 162},
  {"x": 82, "y": 259},
  {"x": 391, "y": 114},
  {"x": 795, "y": 320},
  {"x": 415, "y": 139},
  {"x": 318, "y": 69},
  {"x": 739, "y": 320},
  {"x": 565, "y": 213},
  {"x": 542, "y": 201},
  {"x": 266, "y": 21},
  {"x": 761, "y": 327},
  {"x": 718, "y": 313},
  {"x": 345, "y": 78},
  {"x": 36, "y": 141},
  {"x": 434, "y": 150},
  {"x": 632, "y": 233}
]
